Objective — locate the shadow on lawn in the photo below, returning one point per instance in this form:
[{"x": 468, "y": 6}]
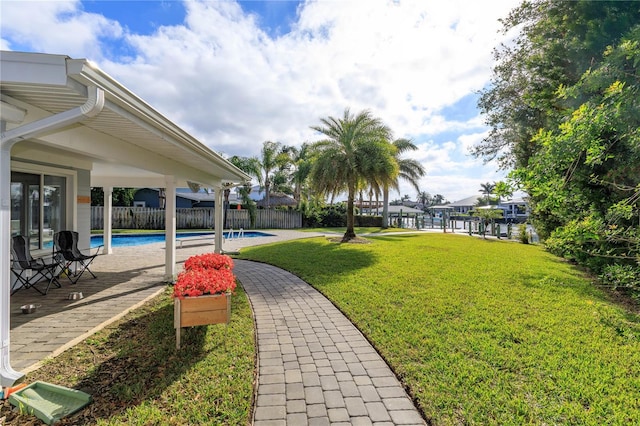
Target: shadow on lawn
[
  {"x": 316, "y": 255},
  {"x": 392, "y": 237},
  {"x": 137, "y": 362}
]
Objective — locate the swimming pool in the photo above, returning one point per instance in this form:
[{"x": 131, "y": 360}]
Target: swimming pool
[{"x": 128, "y": 240}]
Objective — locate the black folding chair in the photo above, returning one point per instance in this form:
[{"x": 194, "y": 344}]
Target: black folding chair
[
  {"x": 29, "y": 271},
  {"x": 65, "y": 244}
]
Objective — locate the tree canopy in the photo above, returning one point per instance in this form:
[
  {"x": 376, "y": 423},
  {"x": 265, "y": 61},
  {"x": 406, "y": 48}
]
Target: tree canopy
[{"x": 564, "y": 112}]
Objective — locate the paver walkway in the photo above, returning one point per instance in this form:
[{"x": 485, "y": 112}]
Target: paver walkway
[{"x": 315, "y": 367}]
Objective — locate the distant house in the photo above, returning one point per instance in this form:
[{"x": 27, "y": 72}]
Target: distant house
[
  {"x": 185, "y": 198},
  {"x": 404, "y": 210},
  {"x": 465, "y": 205},
  {"x": 369, "y": 206},
  {"x": 514, "y": 209}
]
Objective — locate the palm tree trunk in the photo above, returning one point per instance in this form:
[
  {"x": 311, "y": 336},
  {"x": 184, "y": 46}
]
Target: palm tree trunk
[
  {"x": 267, "y": 188},
  {"x": 350, "y": 232},
  {"x": 385, "y": 207}
]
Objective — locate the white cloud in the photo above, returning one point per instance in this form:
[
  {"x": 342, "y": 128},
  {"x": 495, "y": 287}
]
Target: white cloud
[
  {"x": 227, "y": 82},
  {"x": 56, "y": 27}
]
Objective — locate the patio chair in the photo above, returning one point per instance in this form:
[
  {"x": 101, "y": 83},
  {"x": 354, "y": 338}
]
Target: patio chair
[
  {"x": 65, "y": 245},
  {"x": 29, "y": 271}
]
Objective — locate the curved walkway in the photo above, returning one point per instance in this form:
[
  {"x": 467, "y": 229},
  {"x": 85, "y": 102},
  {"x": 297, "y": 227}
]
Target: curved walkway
[{"x": 314, "y": 366}]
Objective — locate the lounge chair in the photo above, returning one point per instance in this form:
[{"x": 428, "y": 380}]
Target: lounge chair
[
  {"x": 65, "y": 245},
  {"x": 29, "y": 271}
]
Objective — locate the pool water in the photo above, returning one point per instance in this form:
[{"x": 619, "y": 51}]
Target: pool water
[{"x": 128, "y": 240}]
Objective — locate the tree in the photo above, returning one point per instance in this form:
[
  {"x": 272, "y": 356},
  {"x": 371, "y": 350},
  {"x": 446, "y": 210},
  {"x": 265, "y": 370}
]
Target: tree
[
  {"x": 425, "y": 198},
  {"x": 270, "y": 169},
  {"x": 503, "y": 189},
  {"x": 301, "y": 168},
  {"x": 487, "y": 189},
  {"x": 122, "y": 197},
  {"x": 249, "y": 166},
  {"x": 438, "y": 199},
  {"x": 486, "y": 215},
  {"x": 563, "y": 111},
  {"x": 557, "y": 42},
  {"x": 355, "y": 148},
  {"x": 410, "y": 170}
]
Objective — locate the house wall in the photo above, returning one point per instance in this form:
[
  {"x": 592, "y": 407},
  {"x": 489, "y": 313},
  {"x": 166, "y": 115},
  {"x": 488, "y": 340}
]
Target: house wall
[
  {"x": 149, "y": 196},
  {"x": 184, "y": 203}
]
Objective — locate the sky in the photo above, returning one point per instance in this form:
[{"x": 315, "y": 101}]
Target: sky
[{"x": 237, "y": 73}]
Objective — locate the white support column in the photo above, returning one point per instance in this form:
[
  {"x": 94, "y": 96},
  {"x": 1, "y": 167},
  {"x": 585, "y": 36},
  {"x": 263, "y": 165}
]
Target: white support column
[
  {"x": 8, "y": 376},
  {"x": 107, "y": 218},
  {"x": 170, "y": 228},
  {"x": 218, "y": 212}
]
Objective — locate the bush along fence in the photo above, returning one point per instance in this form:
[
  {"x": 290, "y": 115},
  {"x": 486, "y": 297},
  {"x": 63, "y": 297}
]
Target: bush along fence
[{"x": 194, "y": 218}]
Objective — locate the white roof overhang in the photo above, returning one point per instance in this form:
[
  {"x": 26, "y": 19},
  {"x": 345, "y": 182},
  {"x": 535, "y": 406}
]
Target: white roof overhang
[{"x": 126, "y": 144}]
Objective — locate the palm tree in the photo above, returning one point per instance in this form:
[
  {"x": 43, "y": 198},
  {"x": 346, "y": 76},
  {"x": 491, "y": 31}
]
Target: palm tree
[
  {"x": 250, "y": 166},
  {"x": 355, "y": 151},
  {"x": 487, "y": 189},
  {"x": 270, "y": 168},
  {"x": 301, "y": 165},
  {"x": 425, "y": 198},
  {"x": 268, "y": 164},
  {"x": 438, "y": 199},
  {"x": 409, "y": 170}
]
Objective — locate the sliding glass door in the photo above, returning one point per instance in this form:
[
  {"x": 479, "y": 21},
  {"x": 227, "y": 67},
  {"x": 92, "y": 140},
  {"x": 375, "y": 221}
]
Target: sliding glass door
[{"x": 37, "y": 207}]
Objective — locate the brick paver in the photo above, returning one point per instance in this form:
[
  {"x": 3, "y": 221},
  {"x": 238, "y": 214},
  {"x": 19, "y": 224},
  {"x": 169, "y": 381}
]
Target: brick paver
[{"x": 327, "y": 371}]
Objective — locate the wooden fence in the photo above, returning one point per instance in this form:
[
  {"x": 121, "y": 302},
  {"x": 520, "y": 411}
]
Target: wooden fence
[{"x": 194, "y": 218}]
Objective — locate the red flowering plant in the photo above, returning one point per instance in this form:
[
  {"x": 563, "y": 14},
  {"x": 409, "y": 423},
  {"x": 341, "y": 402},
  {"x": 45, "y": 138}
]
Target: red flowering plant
[
  {"x": 209, "y": 273},
  {"x": 208, "y": 260}
]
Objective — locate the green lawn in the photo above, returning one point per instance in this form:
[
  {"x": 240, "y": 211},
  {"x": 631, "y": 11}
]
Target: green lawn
[{"x": 481, "y": 331}]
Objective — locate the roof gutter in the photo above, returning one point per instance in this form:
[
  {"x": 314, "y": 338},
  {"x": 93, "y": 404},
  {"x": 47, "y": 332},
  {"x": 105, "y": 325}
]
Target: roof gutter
[{"x": 91, "y": 108}]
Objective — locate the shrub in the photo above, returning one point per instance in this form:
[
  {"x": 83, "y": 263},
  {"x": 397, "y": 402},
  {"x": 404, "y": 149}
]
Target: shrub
[
  {"x": 334, "y": 216},
  {"x": 621, "y": 276},
  {"x": 369, "y": 221},
  {"x": 523, "y": 236},
  {"x": 581, "y": 241}
]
